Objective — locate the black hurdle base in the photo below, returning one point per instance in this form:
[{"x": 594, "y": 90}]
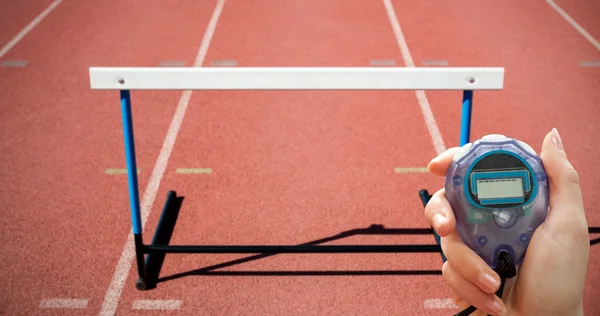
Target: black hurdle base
[
  {"x": 425, "y": 197},
  {"x": 149, "y": 269},
  {"x": 151, "y": 257}
]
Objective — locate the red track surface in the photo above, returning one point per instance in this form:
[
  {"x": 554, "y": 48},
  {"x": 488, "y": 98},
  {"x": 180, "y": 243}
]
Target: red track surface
[
  {"x": 288, "y": 168},
  {"x": 14, "y": 15}
]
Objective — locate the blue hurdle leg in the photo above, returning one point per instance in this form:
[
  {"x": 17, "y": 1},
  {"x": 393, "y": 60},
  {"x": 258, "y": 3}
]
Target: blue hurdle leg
[
  {"x": 465, "y": 134},
  {"x": 465, "y": 123},
  {"x": 134, "y": 198}
]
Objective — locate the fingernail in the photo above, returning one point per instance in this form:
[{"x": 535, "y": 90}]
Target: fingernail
[
  {"x": 556, "y": 139},
  {"x": 496, "y": 306},
  {"x": 438, "y": 220},
  {"x": 489, "y": 282}
]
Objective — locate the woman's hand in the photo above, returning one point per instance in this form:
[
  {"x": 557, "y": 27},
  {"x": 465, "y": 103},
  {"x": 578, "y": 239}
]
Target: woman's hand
[{"x": 550, "y": 280}]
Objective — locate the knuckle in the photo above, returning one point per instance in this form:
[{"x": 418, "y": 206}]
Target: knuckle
[
  {"x": 433, "y": 206},
  {"x": 435, "y": 199},
  {"x": 581, "y": 233},
  {"x": 444, "y": 246},
  {"x": 446, "y": 273},
  {"x": 451, "y": 277},
  {"x": 572, "y": 176},
  {"x": 575, "y": 227},
  {"x": 428, "y": 211},
  {"x": 571, "y": 233}
]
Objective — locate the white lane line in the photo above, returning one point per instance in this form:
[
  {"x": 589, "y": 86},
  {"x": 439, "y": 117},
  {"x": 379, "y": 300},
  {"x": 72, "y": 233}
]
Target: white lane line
[
  {"x": 432, "y": 127},
  {"x": 113, "y": 295},
  {"x": 13, "y": 63},
  {"x": 437, "y": 303},
  {"x": 157, "y": 304},
  {"x": 574, "y": 24},
  {"x": 590, "y": 64},
  {"x": 28, "y": 28},
  {"x": 64, "y": 303}
]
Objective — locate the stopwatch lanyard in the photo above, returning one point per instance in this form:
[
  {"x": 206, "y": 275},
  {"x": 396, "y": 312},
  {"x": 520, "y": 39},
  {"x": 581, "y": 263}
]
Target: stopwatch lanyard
[{"x": 506, "y": 269}]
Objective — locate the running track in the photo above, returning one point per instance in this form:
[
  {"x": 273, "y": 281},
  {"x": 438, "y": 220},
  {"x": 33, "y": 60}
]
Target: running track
[{"x": 287, "y": 167}]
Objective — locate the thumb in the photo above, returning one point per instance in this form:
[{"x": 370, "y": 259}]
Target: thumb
[{"x": 566, "y": 202}]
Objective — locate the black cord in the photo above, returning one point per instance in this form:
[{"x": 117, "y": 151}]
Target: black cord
[
  {"x": 466, "y": 311},
  {"x": 506, "y": 269}
]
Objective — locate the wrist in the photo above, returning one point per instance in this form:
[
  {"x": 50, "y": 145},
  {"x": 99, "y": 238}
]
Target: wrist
[
  {"x": 575, "y": 311},
  {"x": 571, "y": 311}
]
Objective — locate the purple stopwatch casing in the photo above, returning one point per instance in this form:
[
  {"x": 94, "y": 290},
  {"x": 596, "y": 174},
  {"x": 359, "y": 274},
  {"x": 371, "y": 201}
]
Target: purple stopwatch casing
[{"x": 498, "y": 190}]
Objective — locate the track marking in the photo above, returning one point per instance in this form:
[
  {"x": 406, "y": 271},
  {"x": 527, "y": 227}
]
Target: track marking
[
  {"x": 590, "y": 64},
  {"x": 382, "y": 62},
  {"x": 427, "y": 62},
  {"x": 574, "y": 24},
  {"x": 69, "y": 303},
  {"x": 193, "y": 170},
  {"x": 224, "y": 63},
  {"x": 434, "y": 131},
  {"x": 157, "y": 304},
  {"x": 28, "y": 28},
  {"x": 115, "y": 289},
  {"x": 172, "y": 63},
  {"x": 112, "y": 171},
  {"x": 410, "y": 170},
  {"x": 13, "y": 63},
  {"x": 438, "y": 303}
]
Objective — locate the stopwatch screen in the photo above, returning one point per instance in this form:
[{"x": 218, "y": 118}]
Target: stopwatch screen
[
  {"x": 500, "y": 180},
  {"x": 500, "y": 188}
]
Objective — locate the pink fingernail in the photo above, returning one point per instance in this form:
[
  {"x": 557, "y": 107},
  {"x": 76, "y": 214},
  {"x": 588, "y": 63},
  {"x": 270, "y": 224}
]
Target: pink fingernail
[
  {"x": 432, "y": 161},
  {"x": 556, "y": 139},
  {"x": 496, "y": 306},
  {"x": 489, "y": 282}
]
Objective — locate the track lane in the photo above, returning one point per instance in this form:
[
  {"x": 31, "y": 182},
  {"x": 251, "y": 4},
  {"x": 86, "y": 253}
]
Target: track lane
[
  {"x": 64, "y": 221},
  {"x": 585, "y": 13},
  {"x": 15, "y": 15},
  {"x": 291, "y": 167},
  {"x": 545, "y": 86},
  {"x": 434, "y": 33}
]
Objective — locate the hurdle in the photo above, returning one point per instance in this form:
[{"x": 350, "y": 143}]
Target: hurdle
[{"x": 126, "y": 79}]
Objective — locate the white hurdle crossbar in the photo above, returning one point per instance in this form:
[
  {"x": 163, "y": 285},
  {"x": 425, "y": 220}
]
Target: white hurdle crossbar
[
  {"x": 309, "y": 78},
  {"x": 276, "y": 78}
]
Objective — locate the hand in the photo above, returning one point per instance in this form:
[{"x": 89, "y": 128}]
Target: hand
[{"x": 550, "y": 281}]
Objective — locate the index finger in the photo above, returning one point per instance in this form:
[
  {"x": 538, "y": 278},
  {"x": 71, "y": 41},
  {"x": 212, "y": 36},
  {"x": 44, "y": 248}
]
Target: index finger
[{"x": 439, "y": 165}]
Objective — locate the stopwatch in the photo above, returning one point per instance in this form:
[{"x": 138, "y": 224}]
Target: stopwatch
[{"x": 498, "y": 189}]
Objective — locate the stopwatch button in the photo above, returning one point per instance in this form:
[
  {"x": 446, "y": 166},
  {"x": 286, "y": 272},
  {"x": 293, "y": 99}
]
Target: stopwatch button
[
  {"x": 494, "y": 137},
  {"x": 462, "y": 151},
  {"x": 527, "y": 147}
]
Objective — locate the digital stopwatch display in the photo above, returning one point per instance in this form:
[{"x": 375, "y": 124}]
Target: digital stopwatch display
[
  {"x": 498, "y": 190},
  {"x": 499, "y": 180}
]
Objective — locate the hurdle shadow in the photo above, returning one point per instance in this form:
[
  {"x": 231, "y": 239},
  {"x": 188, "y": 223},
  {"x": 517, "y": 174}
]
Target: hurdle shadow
[
  {"x": 374, "y": 229},
  {"x": 165, "y": 229},
  {"x": 162, "y": 236},
  {"x": 594, "y": 230}
]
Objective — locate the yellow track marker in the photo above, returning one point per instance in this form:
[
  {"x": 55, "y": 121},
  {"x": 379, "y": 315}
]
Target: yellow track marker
[
  {"x": 193, "y": 170},
  {"x": 112, "y": 171},
  {"x": 410, "y": 170}
]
